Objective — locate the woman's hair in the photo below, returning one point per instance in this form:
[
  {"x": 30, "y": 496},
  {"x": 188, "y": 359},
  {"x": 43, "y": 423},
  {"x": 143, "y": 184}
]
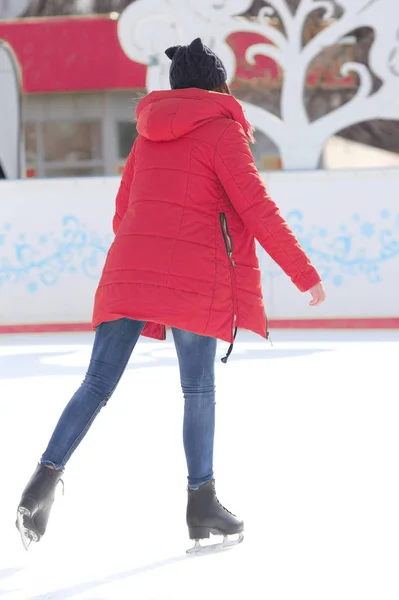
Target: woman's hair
[{"x": 223, "y": 89}]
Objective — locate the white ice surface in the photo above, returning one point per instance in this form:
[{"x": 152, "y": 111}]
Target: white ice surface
[{"x": 307, "y": 451}]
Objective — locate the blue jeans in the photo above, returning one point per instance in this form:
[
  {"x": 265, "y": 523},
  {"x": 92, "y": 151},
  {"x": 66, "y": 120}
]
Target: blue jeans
[{"x": 113, "y": 345}]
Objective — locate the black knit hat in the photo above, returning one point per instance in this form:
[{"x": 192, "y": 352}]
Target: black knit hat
[{"x": 195, "y": 66}]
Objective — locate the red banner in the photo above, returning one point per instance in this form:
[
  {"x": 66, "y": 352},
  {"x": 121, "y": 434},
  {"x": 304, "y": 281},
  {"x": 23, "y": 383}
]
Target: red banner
[{"x": 65, "y": 54}]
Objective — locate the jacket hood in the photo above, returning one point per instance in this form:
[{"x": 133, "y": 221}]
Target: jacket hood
[{"x": 167, "y": 115}]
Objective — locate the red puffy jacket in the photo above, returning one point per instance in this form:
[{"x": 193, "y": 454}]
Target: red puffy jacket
[{"x": 189, "y": 208}]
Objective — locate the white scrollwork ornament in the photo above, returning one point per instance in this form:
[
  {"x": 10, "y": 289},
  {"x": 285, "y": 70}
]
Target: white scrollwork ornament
[{"x": 147, "y": 27}]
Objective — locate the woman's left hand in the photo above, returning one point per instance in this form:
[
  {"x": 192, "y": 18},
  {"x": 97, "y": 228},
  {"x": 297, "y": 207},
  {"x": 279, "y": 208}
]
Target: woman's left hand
[{"x": 318, "y": 294}]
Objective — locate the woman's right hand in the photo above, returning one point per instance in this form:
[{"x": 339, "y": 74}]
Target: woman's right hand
[{"x": 318, "y": 295}]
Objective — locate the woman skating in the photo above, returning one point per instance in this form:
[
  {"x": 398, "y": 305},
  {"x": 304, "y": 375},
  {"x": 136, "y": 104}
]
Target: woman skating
[{"x": 188, "y": 211}]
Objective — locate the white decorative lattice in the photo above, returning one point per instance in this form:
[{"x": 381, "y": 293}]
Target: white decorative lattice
[{"x": 147, "y": 27}]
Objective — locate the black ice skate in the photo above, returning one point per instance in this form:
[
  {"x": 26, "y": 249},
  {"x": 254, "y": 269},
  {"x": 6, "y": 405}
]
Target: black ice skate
[
  {"x": 205, "y": 515},
  {"x": 35, "y": 505}
]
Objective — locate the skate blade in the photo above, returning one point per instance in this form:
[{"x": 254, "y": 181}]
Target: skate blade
[
  {"x": 226, "y": 543},
  {"x": 27, "y": 536}
]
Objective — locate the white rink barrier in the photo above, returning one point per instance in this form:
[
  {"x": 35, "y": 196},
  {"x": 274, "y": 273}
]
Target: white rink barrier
[{"x": 54, "y": 236}]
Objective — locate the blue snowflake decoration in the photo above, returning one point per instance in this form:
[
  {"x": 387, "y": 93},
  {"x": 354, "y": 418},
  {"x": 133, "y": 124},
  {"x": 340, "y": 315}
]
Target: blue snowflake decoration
[
  {"x": 358, "y": 250},
  {"x": 44, "y": 261}
]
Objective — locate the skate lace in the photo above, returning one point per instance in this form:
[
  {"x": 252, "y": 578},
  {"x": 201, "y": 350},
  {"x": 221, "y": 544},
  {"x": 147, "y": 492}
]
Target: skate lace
[
  {"x": 63, "y": 486},
  {"x": 224, "y": 508}
]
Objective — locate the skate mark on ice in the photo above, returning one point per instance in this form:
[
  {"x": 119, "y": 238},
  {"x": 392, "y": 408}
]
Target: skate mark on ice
[
  {"x": 6, "y": 574},
  {"x": 34, "y": 364},
  {"x": 80, "y": 588}
]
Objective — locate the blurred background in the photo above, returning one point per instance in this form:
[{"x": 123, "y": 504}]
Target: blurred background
[
  {"x": 319, "y": 79},
  {"x": 78, "y": 87}
]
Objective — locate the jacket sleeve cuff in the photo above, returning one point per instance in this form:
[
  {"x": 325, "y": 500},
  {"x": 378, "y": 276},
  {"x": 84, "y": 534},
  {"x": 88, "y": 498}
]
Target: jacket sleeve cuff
[{"x": 305, "y": 280}]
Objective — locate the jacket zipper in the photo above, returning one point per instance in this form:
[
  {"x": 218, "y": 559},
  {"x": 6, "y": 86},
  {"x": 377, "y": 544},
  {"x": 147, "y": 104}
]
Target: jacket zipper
[
  {"x": 229, "y": 249},
  {"x": 227, "y": 239}
]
